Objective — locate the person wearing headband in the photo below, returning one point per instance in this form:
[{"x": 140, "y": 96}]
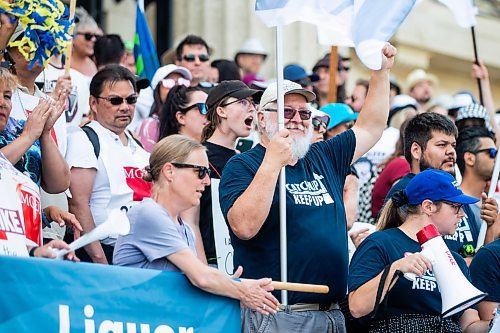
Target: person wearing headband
[{"x": 431, "y": 197}]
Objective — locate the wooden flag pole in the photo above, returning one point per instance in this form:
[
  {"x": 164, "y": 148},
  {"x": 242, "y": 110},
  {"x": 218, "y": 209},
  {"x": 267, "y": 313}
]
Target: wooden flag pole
[
  {"x": 301, "y": 287},
  {"x": 69, "y": 48},
  {"x": 332, "y": 87}
]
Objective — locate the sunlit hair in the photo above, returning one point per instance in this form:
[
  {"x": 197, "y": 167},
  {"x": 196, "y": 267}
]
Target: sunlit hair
[
  {"x": 84, "y": 20},
  {"x": 7, "y": 80},
  {"x": 173, "y": 148},
  {"x": 393, "y": 217}
]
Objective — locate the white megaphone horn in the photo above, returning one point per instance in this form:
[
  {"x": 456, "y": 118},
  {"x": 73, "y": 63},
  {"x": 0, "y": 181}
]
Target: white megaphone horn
[
  {"x": 457, "y": 293},
  {"x": 116, "y": 224}
]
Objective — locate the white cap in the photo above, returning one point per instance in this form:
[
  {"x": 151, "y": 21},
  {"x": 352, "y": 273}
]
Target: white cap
[
  {"x": 289, "y": 87},
  {"x": 252, "y": 46},
  {"x": 164, "y": 71},
  {"x": 419, "y": 75}
]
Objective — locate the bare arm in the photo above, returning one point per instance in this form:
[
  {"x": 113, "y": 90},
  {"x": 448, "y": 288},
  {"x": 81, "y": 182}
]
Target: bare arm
[
  {"x": 470, "y": 322},
  {"x": 253, "y": 294},
  {"x": 480, "y": 72},
  {"x": 362, "y": 300},
  {"x": 351, "y": 199},
  {"x": 82, "y": 181},
  {"x": 373, "y": 116},
  {"x": 192, "y": 217},
  {"x": 55, "y": 170},
  {"x": 250, "y": 210},
  {"x": 486, "y": 310}
]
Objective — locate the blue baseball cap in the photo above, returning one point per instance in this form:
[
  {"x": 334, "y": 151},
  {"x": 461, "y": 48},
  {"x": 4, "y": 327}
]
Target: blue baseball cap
[
  {"x": 339, "y": 113},
  {"x": 297, "y": 73},
  {"x": 435, "y": 185}
]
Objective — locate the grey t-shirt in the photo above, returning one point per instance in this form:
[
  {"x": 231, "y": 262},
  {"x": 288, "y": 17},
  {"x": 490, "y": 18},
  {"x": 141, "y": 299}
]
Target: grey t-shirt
[{"x": 153, "y": 236}]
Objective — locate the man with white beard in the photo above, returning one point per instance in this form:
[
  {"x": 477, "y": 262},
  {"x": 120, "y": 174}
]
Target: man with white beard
[{"x": 316, "y": 222}]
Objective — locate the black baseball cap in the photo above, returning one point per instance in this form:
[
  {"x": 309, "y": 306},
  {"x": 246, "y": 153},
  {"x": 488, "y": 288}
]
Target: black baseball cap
[{"x": 230, "y": 88}]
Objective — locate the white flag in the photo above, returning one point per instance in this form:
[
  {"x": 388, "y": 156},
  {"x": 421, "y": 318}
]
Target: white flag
[
  {"x": 364, "y": 24},
  {"x": 464, "y": 11}
]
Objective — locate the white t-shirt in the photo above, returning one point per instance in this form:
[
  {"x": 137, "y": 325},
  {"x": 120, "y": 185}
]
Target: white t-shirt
[{"x": 105, "y": 196}]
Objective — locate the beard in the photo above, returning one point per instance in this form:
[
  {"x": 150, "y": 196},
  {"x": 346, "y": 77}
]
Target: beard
[
  {"x": 423, "y": 164},
  {"x": 300, "y": 145}
]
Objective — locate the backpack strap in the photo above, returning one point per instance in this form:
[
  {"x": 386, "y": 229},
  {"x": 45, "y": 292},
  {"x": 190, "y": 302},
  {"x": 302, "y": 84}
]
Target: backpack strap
[
  {"x": 94, "y": 139},
  {"x": 135, "y": 139}
]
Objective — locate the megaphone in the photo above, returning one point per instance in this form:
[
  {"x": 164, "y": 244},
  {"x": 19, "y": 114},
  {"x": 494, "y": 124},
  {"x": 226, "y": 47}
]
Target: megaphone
[
  {"x": 116, "y": 224},
  {"x": 457, "y": 293}
]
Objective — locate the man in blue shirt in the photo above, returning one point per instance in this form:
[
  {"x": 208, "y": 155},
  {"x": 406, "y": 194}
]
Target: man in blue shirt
[{"x": 315, "y": 175}]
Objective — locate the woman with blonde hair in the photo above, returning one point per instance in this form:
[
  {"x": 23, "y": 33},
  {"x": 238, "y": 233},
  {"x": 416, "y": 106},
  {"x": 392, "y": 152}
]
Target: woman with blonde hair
[{"x": 159, "y": 238}]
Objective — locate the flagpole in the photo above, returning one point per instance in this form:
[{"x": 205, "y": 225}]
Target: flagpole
[
  {"x": 334, "y": 63},
  {"x": 282, "y": 181},
  {"x": 476, "y": 60},
  {"x": 69, "y": 48},
  {"x": 491, "y": 192}
]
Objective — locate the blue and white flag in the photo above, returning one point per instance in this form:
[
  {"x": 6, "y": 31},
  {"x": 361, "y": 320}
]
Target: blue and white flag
[
  {"x": 145, "y": 55},
  {"x": 464, "y": 11},
  {"x": 364, "y": 24}
]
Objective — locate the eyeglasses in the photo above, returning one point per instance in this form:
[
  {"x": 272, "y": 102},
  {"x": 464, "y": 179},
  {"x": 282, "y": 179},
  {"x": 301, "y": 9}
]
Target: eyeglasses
[
  {"x": 87, "y": 35},
  {"x": 455, "y": 206},
  {"x": 319, "y": 122},
  {"x": 117, "y": 100},
  {"x": 170, "y": 83},
  {"x": 244, "y": 103},
  {"x": 492, "y": 151},
  {"x": 202, "y": 108},
  {"x": 192, "y": 57},
  {"x": 289, "y": 113},
  {"x": 202, "y": 171}
]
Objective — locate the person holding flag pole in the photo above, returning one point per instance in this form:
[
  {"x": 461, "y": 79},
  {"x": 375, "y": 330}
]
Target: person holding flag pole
[{"x": 316, "y": 226}]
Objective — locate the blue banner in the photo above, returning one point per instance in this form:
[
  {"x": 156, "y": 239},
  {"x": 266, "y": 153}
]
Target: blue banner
[{"x": 42, "y": 295}]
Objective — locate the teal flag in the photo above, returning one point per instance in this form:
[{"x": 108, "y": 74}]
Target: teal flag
[
  {"x": 146, "y": 58},
  {"x": 42, "y": 295}
]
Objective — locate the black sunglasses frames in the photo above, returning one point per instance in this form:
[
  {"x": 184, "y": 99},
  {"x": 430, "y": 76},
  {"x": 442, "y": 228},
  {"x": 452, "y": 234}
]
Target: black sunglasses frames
[
  {"x": 202, "y": 171},
  {"x": 117, "y": 100},
  {"x": 192, "y": 57}
]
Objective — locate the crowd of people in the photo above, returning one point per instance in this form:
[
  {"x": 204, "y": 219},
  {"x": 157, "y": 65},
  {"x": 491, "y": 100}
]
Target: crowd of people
[{"x": 101, "y": 139}]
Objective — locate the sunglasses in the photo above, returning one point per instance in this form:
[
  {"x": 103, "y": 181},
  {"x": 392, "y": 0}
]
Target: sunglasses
[
  {"x": 289, "y": 113},
  {"x": 202, "y": 171},
  {"x": 492, "y": 151},
  {"x": 117, "y": 100},
  {"x": 192, "y": 57},
  {"x": 87, "y": 35},
  {"x": 455, "y": 206},
  {"x": 305, "y": 82},
  {"x": 244, "y": 103},
  {"x": 170, "y": 83},
  {"x": 202, "y": 108},
  {"x": 319, "y": 122},
  {"x": 343, "y": 68}
]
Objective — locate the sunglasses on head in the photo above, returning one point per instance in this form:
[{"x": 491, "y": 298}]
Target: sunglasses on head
[
  {"x": 170, "y": 83},
  {"x": 202, "y": 108},
  {"x": 289, "y": 113},
  {"x": 491, "y": 151},
  {"x": 192, "y": 57},
  {"x": 202, "y": 171},
  {"x": 117, "y": 100},
  {"x": 87, "y": 35},
  {"x": 319, "y": 122}
]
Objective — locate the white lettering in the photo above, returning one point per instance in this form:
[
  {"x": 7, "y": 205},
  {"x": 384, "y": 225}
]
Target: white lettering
[
  {"x": 64, "y": 325},
  {"x": 109, "y": 326}
]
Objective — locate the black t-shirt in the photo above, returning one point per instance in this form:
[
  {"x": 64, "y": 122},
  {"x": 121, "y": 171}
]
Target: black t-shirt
[{"x": 218, "y": 157}]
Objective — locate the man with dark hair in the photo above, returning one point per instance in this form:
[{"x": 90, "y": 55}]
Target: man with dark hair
[
  {"x": 193, "y": 53},
  {"x": 358, "y": 95},
  {"x": 109, "y": 49},
  {"x": 106, "y": 162},
  {"x": 476, "y": 152},
  {"x": 429, "y": 142}
]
